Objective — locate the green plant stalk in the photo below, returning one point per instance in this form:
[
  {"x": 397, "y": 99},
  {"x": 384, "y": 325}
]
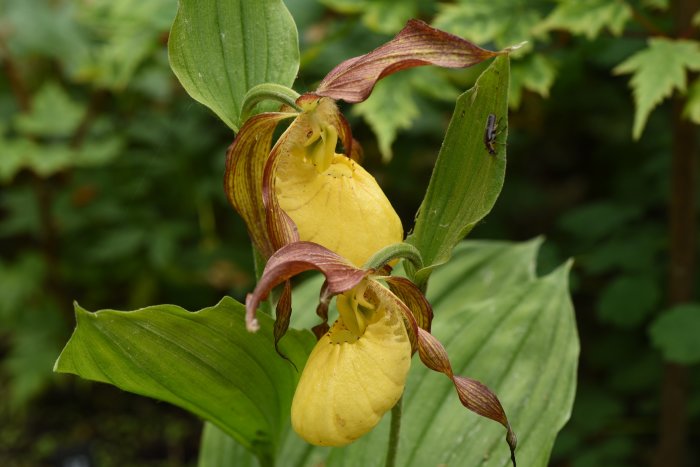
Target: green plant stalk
[
  {"x": 394, "y": 433},
  {"x": 268, "y": 92}
]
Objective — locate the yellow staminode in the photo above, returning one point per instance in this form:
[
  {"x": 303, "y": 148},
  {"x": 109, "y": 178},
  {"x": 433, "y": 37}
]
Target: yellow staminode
[{"x": 354, "y": 375}]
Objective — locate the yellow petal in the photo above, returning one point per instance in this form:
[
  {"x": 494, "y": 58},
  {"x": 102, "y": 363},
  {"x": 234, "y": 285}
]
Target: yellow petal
[
  {"x": 342, "y": 208},
  {"x": 350, "y": 381}
]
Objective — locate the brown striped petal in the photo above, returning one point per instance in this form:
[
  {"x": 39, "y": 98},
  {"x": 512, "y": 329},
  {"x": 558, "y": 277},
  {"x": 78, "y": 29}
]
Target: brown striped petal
[
  {"x": 417, "y": 44},
  {"x": 243, "y": 181},
  {"x": 414, "y": 299},
  {"x": 294, "y": 259}
]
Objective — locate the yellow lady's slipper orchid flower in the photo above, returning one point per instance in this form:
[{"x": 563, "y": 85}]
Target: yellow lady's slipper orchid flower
[
  {"x": 308, "y": 191},
  {"x": 355, "y": 373},
  {"x": 357, "y": 370},
  {"x": 301, "y": 188}
]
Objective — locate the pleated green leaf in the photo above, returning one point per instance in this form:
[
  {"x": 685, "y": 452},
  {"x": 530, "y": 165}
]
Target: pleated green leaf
[
  {"x": 468, "y": 173},
  {"x": 220, "y": 49},
  {"x": 205, "y": 362},
  {"x": 217, "y": 449}
]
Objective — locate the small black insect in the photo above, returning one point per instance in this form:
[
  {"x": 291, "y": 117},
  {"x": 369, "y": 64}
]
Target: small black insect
[{"x": 490, "y": 133}]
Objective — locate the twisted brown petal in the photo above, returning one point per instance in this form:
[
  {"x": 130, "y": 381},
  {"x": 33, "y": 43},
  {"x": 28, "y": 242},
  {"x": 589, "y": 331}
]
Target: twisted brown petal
[
  {"x": 283, "y": 314},
  {"x": 479, "y": 399},
  {"x": 294, "y": 259},
  {"x": 474, "y": 395},
  {"x": 417, "y": 44},
  {"x": 243, "y": 180},
  {"x": 324, "y": 300},
  {"x": 414, "y": 300}
]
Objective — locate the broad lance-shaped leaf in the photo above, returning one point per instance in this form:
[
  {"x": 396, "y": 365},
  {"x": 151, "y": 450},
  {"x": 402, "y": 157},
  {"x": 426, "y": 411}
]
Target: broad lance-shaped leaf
[
  {"x": 217, "y": 449},
  {"x": 467, "y": 178},
  {"x": 417, "y": 44},
  {"x": 220, "y": 49},
  {"x": 205, "y": 362},
  {"x": 243, "y": 181}
]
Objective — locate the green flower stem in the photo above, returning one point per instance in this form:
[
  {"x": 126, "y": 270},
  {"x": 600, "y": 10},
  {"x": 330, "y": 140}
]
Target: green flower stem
[
  {"x": 392, "y": 252},
  {"x": 267, "y": 92},
  {"x": 394, "y": 434}
]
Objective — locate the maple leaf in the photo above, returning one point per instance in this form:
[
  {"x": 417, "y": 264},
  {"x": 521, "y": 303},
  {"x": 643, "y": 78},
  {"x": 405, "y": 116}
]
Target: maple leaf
[
  {"x": 588, "y": 17},
  {"x": 656, "y": 71}
]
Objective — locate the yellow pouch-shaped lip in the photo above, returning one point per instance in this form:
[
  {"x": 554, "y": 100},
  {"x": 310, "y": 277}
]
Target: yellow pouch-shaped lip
[
  {"x": 342, "y": 208},
  {"x": 350, "y": 381}
]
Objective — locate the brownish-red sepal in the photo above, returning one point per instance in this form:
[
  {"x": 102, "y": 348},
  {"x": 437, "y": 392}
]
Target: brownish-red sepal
[
  {"x": 478, "y": 398},
  {"x": 283, "y": 314},
  {"x": 357, "y": 154},
  {"x": 294, "y": 259},
  {"x": 414, "y": 299},
  {"x": 245, "y": 162},
  {"x": 324, "y": 301},
  {"x": 415, "y": 45}
]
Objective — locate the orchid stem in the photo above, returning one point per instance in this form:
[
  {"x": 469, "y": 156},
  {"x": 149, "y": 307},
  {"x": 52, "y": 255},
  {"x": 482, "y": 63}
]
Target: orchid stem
[
  {"x": 394, "y": 434},
  {"x": 268, "y": 92}
]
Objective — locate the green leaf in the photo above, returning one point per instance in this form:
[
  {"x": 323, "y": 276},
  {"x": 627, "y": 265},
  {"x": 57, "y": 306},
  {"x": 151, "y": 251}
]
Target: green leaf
[
  {"x": 503, "y": 22},
  {"x": 394, "y": 104},
  {"x": 628, "y": 300},
  {"x": 656, "y": 71},
  {"x": 124, "y": 34},
  {"x": 205, "y": 362},
  {"x": 390, "y": 108},
  {"x": 691, "y": 111},
  {"x": 382, "y": 16},
  {"x": 220, "y": 49},
  {"x": 44, "y": 28},
  {"x": 588, "y": 17},
  {"x": 217, "y": 449},
  {"x": 534, "y": 72},
  {"x": 675, "y": 333},
  {"x": 48, "y": 159},
  {"x": 597, "y": 220},
  {"x": 635, "y": 250},
  {"x": 657, "y": 4},
  {"x": 466, "y": 179},
  {"x": 53, "y": 113}
]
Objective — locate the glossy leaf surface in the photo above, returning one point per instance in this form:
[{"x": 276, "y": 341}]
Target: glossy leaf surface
[
  {"x": 220, "y": 49},
  {"x": 205, "y": 362}
]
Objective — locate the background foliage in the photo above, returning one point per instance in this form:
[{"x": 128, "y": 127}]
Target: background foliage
[{"x": 111, "y": 192}]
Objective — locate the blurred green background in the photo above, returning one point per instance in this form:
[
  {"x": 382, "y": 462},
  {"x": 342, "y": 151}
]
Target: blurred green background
[{"x": 111, "y": 194}]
